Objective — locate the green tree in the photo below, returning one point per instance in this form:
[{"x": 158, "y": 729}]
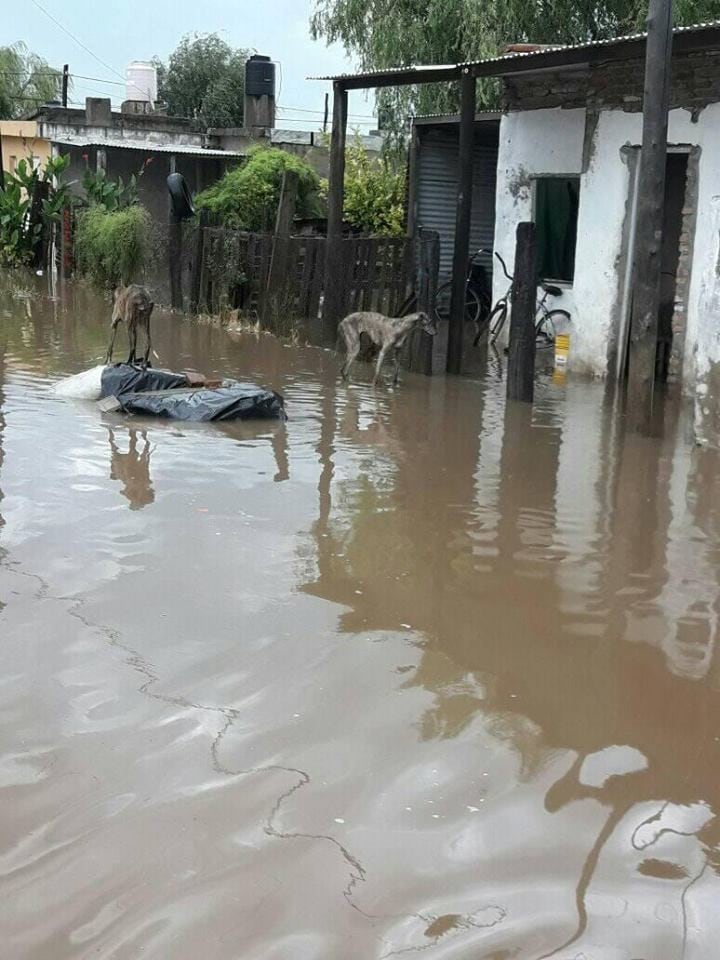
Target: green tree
[
  {"x": 247, "y": 197},
  {"x": 26, "y": 81},
  {"x": 404, "y": 32},
  {"x": 374, "y": 193},
  {"x": 204, "y": 78}
]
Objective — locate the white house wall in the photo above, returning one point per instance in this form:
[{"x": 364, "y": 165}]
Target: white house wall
[
  {"x": 532, "y": 143},
  {"x": 538, "y": 142}
]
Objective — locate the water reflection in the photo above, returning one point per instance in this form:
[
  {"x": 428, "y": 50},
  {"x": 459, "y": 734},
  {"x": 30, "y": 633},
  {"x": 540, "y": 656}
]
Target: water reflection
[
  {"x": 453, "y": 662},
  {"x": 132, "y": 467}
]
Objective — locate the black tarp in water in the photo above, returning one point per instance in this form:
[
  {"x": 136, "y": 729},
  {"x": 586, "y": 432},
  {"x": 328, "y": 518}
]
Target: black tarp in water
[
  {"x": 123, "y": 378},
  {"x": 235, "y": 402}
]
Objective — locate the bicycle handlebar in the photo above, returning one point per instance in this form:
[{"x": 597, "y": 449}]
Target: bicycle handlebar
[{"x": 505, "y": 270}]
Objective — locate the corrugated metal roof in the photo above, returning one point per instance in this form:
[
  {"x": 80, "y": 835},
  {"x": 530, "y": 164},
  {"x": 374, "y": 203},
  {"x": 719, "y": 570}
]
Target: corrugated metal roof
[
  {"x": 589, "y": 45},
  {"x": 431, "y": 73},
  {"x": 147, "y": 146},
  {"x": 449, "y": 68}
]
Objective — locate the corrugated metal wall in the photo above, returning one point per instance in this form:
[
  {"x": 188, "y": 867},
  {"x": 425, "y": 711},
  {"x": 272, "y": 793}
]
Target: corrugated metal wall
[{"x": 437, "y": 188}]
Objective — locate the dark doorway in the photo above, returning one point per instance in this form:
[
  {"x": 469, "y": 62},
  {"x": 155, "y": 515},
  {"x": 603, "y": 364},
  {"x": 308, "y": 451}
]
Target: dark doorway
[{"x": 675, "y": 184}]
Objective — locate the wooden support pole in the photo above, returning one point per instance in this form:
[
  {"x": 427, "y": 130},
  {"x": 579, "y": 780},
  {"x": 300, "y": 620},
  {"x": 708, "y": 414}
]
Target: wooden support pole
[
  {"x": 521, "y": 354},
  {"x": 196, "y": 271},
  {"x": 175, "y": 236},
  {"x": 650, "y": 209},
  {"x": 279, "y": 283},
  {"x": 65, "y": 78},
  {"x": 326, "y": 112},
  {"x": 334, "y": 292},
  {"x": 461, "y": 252}
]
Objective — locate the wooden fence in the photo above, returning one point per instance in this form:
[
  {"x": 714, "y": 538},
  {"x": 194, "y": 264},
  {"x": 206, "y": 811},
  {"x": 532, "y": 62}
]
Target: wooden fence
[{"x": 234, "y": 269}]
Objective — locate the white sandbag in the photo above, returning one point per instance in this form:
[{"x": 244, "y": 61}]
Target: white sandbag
[{"x": 83, "y": 386}]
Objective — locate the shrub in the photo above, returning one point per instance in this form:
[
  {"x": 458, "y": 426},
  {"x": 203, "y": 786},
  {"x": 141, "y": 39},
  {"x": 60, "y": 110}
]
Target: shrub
[
  {"x": 374, "y": 193},
  {"x": 247, "y": 197},
  {"x": 111, "y": 245}
]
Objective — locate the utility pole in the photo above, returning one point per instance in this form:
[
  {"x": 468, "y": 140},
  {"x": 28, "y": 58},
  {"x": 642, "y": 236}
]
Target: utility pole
[
  {"x": 65, "y": 78},
  {"x": 650, "y": 208},
  {"x": 463, "y": 213}
]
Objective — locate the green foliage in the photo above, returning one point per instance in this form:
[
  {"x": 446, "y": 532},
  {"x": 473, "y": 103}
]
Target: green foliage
[
  {"x": 110, "y": 194},
  {"x": 111, "y": 245},
  {"x": 204, "y": 79},
  {"x": 247, "y": 197},
  {"x": 26, "y": 81},
  {"x": 18, "y": 233},
  {"x": 374, "y": 193},
  {"x": 452, "y": 31}
]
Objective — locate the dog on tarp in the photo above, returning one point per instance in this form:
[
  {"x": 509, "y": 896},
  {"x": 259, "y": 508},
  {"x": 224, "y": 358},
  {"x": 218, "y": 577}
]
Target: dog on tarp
[
  {"x": 132, "y": 305},
  {"x": 385, "y": 333}
]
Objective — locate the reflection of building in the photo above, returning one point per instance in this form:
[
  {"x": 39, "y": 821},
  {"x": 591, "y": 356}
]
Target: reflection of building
[
  {"x": 132, "y": 469},
  {"x": 21, "y": 140}
]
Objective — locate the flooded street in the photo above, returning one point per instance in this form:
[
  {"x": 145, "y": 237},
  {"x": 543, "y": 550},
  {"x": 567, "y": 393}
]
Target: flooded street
[{"x": 412, "y": 674}]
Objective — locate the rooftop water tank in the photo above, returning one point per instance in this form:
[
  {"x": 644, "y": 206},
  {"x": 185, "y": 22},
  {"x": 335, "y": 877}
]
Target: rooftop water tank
[
  {"x": 141, "y": 81},
  {"x": 259, "y": 76}
]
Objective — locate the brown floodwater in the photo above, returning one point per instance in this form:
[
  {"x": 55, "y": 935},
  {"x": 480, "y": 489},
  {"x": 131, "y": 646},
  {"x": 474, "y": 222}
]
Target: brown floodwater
[{"x": 416, "y": 673}]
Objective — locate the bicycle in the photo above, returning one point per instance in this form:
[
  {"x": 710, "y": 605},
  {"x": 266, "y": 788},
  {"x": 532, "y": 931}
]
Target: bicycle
[
  {"x": 544, "y": 326},
  {"x": 477, "y": 299}
]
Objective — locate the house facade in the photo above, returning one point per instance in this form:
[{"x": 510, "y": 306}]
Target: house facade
[{"x": 568, "y": 159}]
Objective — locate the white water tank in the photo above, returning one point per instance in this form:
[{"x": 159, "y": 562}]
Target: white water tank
[{"x": 141, "y": 81}]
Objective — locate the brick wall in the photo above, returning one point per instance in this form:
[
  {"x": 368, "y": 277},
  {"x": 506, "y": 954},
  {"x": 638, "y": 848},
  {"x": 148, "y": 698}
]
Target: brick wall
[{"x": 616, "y": 85}]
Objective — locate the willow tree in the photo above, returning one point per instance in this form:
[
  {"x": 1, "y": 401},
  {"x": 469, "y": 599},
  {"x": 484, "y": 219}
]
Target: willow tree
[
  {"x": 26, "y": 81},
  {"x": 390, "y": 33}
]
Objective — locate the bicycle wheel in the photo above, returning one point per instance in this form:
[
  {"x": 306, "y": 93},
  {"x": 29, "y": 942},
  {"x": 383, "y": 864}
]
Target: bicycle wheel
[
  {"x": 443, "y": 297},
  {"x": 497, "y": 319},
  {"x": 546, "y": 324}
]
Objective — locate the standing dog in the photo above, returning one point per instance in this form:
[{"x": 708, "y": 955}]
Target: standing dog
[
  {"x": 388, "y": 333},
  {"x": 132, "y": 306}
]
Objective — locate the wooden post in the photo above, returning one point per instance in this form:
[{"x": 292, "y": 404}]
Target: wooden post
[
  {"x": 175, "y": 236},
  {"x": 325, "y": 114},
  {"x": 334, "y": 292},
  {"x": 650, "y": 208},
  {"x": 428, "y": 242},
  {"x": 521, "y": 358},
  {"x": 461, "y": 252},
  {"x": 196, "y": 268},
  {"x": 278, "y": 283},
  {"x": 65, "y": 78}
]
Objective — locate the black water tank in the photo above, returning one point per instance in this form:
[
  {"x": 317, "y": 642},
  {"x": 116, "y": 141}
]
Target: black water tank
[{"x": 259, "y": 76}]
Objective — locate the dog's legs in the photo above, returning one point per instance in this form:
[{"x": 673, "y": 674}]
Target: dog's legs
[
  {"x": 380, "y": 360},
  {"x": 352, "y": 349},
  {"x": 132, "y": 340},
  {"x": 108, "y": 356},
  {"x": 351, "y": 357},
  {"x": 396, "y": 376},
  {"x": 148, "y": 345}
]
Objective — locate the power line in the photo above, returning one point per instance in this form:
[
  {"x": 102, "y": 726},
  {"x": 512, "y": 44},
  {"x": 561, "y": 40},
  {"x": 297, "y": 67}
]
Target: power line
[{"x": 79, "y": 42}]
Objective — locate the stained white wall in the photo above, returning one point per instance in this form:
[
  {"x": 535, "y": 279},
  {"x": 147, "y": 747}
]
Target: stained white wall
[
  {"x": 531, "y": 144},
  {"x": 550, "y": 141}
]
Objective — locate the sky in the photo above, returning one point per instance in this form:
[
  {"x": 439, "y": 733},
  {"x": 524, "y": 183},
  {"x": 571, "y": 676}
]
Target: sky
[{"x": 118, "y": 31}]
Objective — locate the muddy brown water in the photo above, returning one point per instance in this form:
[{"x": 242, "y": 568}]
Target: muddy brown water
[{"x": 413, "y": 674}]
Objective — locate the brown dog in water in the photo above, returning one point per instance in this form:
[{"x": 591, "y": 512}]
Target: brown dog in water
[{"x": 132, "y": 306}]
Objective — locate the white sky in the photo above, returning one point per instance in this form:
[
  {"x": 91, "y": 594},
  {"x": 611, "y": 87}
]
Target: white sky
[{"x": 118, "y": 31}]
